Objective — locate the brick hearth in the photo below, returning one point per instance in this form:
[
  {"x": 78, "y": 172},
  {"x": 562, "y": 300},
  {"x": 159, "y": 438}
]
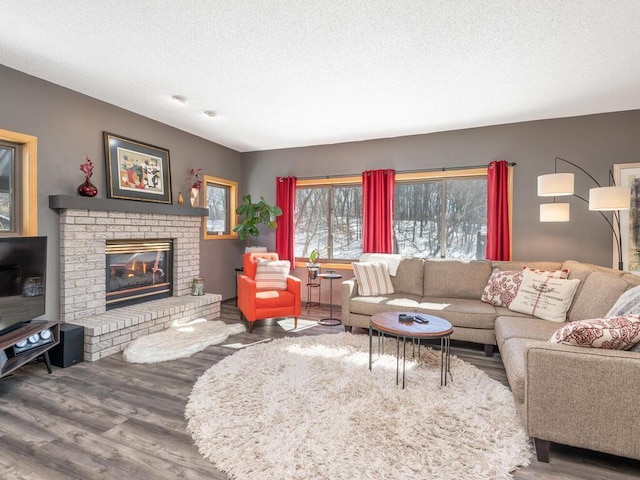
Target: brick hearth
[{"x": 83, "y": 236}]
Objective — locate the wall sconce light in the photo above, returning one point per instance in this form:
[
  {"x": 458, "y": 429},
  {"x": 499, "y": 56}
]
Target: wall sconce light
[{"x": 601, "y": 199}]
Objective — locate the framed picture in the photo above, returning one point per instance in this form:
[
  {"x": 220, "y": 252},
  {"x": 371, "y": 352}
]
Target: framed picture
[
  {"x": 136, "y": 170},
  {"x": 628, "y": 175}
]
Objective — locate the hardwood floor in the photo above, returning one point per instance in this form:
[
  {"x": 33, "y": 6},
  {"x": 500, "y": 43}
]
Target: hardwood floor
[{"x": 113, "y": 420}]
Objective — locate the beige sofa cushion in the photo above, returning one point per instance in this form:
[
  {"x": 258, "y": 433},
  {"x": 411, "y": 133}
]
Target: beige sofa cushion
[
  {"x": 598, "y": 294},
  {"x": 461, "y": 312},
  {"x": 388, "y": 303},
  {"x": 409, "y": 277},
  {"x": 524, "y": 327},
  {"x": 455, "y": 278},
  {"x": 549, "y": 266}
]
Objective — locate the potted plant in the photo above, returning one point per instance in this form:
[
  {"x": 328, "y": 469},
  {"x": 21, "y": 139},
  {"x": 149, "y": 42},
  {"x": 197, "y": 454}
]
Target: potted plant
[
  {"x": 255, "y": 214},
  {"x": 313, "y": 267}
]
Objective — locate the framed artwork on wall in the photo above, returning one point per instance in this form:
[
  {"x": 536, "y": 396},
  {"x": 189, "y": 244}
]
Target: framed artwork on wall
[
  {"x": 136, "y": 170},
  {"x": 628, "y": 175}
]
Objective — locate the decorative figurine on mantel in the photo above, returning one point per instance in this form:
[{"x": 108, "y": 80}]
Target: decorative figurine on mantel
[
  {"x": 195, "y": 184},
  {"x": 180, "y": 198},
  {"x": 87, "y": 189}
]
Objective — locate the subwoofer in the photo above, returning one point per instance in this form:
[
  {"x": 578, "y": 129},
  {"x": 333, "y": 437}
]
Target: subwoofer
[{"x": 70, "y": 350}]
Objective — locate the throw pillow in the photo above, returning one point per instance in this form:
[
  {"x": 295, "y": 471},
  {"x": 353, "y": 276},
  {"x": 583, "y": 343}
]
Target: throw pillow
[
  {"x": 272, "y": 274},
  {"x": 544, "y": 297},
  {"x": 617, "y": 333},
  {"x": 503, "y": 285},
  {"x": 627, "y": 304},
  {"x": 373, "y": 278}
]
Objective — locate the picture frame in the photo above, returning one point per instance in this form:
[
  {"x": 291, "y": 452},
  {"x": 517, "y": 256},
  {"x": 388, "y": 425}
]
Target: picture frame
[
  {"x": 628, "y": 175},
  {"x": 136, "y": 170}
]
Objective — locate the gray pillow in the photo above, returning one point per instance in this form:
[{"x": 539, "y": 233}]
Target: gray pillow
[
  {"x": 635, "y": 348},
  {"x": 627, "y": 304}
]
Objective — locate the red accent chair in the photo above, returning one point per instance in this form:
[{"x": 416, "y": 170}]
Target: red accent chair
[{"x": 256, "y": 304}]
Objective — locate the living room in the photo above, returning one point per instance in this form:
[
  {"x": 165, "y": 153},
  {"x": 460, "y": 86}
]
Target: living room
[{"x": 594, "y": 129}]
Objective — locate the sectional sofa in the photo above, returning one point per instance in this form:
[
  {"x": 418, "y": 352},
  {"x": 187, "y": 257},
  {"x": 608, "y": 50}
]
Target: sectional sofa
[{"x": 584, "y": 397}]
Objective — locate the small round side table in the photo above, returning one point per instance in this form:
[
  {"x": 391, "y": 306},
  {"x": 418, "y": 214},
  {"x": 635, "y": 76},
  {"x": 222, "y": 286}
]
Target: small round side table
[{"x": 332, "y": 322}]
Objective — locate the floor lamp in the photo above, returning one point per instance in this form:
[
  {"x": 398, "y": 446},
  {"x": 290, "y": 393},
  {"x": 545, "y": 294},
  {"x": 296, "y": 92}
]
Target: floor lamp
[{"x": 601, "y": 199}]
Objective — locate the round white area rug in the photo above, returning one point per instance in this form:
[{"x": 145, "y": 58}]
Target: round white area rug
[{"x": 309, "y": 408}]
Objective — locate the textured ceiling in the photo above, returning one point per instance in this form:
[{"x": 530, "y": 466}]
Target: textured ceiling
[{"x": 287, "y": 73}]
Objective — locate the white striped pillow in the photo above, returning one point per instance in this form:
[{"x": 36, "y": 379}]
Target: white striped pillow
[
  {"x": 272, "y": 274},
  {"x": 373, "y": 278}
]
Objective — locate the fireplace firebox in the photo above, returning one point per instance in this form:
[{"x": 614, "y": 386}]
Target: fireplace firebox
[{"x": 138, "y": 271}]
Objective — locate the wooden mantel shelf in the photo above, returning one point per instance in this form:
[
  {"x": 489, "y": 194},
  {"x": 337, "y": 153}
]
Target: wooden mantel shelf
[{"x": 61, "y": 202}]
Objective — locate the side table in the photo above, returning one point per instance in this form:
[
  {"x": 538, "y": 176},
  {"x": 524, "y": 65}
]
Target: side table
[{"x": 332, "y": 322}]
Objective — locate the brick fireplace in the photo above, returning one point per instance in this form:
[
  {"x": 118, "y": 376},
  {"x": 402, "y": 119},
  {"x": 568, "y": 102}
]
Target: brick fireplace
[{"x": 84, "y": 233}]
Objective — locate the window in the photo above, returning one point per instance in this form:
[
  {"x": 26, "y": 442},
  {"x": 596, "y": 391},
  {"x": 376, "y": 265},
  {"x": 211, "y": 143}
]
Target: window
[
  {"x": 18, "y": 184},
  {"x": 9, "y": 206},
  {"x": 220, "y": 197},
  {"x": 444, "y": 218},
  {"x": 328, "y": 217},
  {"x": 439, "y": 214}
]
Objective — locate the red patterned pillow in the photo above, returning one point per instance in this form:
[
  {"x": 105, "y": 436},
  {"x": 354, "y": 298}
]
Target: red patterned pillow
[
  {"x": 616, "y": 333},
  {"x": 503, "y": 285}
]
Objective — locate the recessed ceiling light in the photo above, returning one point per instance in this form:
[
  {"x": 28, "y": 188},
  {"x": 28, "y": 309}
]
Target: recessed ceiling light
[
  {"x": 180, "y": 99},
  {"x": 211, "y": 113}
]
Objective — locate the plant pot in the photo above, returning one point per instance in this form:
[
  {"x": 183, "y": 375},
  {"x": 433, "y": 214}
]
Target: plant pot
[
  {"x": 313, "y": 269},
  {"x": 255, "y": 249}
]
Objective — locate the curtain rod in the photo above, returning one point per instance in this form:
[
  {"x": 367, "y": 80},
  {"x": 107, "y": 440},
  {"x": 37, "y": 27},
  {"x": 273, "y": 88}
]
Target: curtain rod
[{"x": 441, "y": 169}]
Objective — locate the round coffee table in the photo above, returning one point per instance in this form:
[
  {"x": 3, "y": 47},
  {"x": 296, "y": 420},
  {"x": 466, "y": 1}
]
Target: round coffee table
[{"x": 434, "y": 327}]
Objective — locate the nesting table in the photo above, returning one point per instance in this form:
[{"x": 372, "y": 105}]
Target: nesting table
[{"x": 388, "y": 324}]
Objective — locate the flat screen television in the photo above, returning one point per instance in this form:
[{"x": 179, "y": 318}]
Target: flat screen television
[{"x": 23, "y": 268}]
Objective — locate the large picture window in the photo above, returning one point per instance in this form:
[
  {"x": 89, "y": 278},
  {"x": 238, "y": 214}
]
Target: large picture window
[
  {"x": 436, "y": 215},
  {"x": 444, "y": 218},
  {"x": 329, "y": 218}
]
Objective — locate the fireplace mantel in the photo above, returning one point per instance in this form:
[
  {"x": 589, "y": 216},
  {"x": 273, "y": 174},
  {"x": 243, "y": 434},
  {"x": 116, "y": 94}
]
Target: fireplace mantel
[{"x": 75, "y": 202}]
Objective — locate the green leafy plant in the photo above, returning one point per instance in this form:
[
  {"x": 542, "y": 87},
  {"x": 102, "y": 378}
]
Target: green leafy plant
[
  {"x": 255, "y": 214},
  {"x": 315, "y": 254}
]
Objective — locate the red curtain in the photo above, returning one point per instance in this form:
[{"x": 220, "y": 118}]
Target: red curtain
[
  {"x": 377, "y": 211},
  {"x": 498, "y": 242},
  {"x": 286, "y": 200}
]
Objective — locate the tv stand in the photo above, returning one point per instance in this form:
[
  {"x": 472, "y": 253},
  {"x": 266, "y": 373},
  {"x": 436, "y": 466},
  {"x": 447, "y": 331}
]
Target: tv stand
[{"x": 9, "y": 339}]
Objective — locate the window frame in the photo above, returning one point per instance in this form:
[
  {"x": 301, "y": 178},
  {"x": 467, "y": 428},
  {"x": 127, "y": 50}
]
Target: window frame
[
  {"x": 403, "y": 177},
  {"x": 26, "y": 183},
  {"x": 233, "y": 202}
]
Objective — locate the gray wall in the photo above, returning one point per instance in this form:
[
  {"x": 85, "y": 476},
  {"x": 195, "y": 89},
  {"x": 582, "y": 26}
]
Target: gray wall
[
  {"x": 594, "y": 142},
  {"x": 69, "y": 126}
]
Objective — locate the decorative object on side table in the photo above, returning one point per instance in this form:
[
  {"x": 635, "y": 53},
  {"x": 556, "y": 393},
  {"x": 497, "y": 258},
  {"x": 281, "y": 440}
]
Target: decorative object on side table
[
  {"x": 87, "y": 189},
  {"x": 136, "y": 170},
  {"x": 195, "y": 184}
]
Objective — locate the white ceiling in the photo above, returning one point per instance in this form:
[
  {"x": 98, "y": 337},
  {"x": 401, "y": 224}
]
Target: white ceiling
[{"x": 286, "y": 73}]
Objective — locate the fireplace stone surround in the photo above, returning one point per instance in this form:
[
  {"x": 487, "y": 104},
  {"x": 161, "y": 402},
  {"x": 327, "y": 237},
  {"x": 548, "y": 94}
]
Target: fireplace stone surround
[{"x": 85, "y": 226}]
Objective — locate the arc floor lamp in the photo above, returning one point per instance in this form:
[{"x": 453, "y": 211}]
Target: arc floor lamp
[{"x": 610, "y": 198}]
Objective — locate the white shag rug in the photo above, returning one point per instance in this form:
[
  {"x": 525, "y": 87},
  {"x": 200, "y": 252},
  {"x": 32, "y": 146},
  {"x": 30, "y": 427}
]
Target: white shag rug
[
  {"x": 182, "y": 339},
  {"x": 309, "y": 408}
]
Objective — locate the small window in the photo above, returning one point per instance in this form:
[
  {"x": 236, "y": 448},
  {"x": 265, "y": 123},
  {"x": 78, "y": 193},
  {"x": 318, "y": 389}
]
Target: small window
[
  {"x": 18, "y": 184},
  {"x": 220, "y": 197}
]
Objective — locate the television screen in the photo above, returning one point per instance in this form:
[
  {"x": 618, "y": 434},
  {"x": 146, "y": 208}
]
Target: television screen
[{"x": 23, "y": 265}]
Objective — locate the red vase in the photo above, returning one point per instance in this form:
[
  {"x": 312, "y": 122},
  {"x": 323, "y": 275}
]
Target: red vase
[{"x": 87, "y": 189}]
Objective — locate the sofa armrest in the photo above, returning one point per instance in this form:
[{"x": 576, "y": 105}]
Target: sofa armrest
[
  {"x": 349, "y": 290},
  {"x": 584, "y": 397},
  {"x": 246, "y": 296}
]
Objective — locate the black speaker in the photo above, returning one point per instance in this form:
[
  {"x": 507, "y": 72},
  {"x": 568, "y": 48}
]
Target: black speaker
[{"x": 70, "y": 350}]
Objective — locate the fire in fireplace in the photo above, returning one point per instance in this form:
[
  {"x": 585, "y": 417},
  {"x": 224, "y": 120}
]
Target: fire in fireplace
[{"x": 138, "y": 271}]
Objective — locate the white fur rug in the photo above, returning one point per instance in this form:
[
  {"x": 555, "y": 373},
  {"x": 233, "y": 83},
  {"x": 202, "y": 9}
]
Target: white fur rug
[
  {"x": 309, "y": 408},
  {"x": 182, "y": 339}
]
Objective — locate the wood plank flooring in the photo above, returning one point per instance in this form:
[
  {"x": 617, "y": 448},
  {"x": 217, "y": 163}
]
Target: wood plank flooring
[{"x": 113, "y": 420}]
